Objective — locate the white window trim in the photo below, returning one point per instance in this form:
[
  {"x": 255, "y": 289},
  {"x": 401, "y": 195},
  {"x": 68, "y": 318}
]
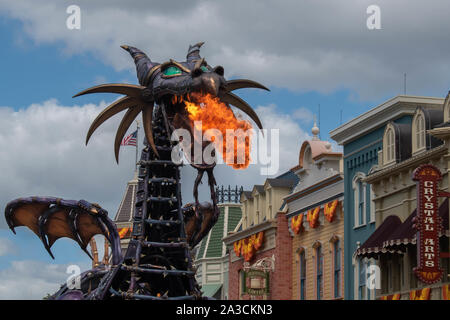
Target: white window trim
[
  {"x": 356, "y": 179},
  {"x": 387, "y": 161},
  {"x": 414, "y": 131},
  {"x": 356, "y": 263},
  {"x": 372, "y": 205}
]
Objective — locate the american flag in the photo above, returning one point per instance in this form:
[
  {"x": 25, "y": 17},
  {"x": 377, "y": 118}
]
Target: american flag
[{"x": 130, "y": 140}]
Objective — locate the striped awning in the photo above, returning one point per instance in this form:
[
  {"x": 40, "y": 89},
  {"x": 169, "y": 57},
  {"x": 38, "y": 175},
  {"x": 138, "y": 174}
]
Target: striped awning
[{"x": 393, "y": 235}]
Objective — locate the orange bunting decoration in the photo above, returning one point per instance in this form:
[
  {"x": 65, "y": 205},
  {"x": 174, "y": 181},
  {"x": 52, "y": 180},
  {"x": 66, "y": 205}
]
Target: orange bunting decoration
[
  {"x": 124, "y": 233},
  {"x": 247, "y": 247},
  {"x": 421, "y": 294},
  {"x": 391, "y": 297},
  {"x": 329, "y": 210},
  {"x": 237, "y": 248},
  {"x": 446, "y": 292},
  {"x": 297, "y": 223},
  {"x": 313, "y": 217}
]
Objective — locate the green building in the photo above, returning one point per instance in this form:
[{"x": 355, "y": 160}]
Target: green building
[{"x": 210, "y": 255}]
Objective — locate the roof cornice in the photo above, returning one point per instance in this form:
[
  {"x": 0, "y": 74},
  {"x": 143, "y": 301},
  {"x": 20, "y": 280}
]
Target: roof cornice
[
  {"x": 376, "y": 117},
  {"x": 408, "y": 163}
]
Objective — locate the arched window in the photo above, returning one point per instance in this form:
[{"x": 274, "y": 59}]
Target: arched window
[
  {"x": 420, "y": 132},
  {"x": 359, "y": 195},
  {"x": 302, "y": 274},
  {"x": 337, "y": 268},
  {"x": 390, "y": 145},
  {"x": 307, "y": 160},
  {"x": 319, "y": 272}
]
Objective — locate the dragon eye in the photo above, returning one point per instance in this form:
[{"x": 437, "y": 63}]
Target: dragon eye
[
  {"x": 204, "y": 69},
  {"x": 172, "y": 70}
]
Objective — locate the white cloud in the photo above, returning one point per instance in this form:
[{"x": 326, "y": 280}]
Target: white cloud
[
  {"x": 44, "y": 154},
  {"x": 300, "y": 45},
  {"x": 29, "y": 279},
  {"x": 7, "y": 247},
  {"x": 303, "y": 114}
]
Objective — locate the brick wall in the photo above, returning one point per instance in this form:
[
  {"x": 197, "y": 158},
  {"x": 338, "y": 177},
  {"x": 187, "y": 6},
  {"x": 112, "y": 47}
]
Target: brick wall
[
  {"x": 282, "y": 286},
  {"x": 280, "y": 280}
]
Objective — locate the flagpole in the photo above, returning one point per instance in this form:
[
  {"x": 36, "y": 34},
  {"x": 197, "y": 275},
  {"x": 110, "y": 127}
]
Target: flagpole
[{"x": 137, "y": 144}]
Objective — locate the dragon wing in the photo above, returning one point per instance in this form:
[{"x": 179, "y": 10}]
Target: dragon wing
[{"x": 53, "y": 218}]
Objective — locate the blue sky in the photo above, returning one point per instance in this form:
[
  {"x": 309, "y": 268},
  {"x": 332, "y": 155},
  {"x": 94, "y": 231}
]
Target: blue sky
[{"x": 311, "y": 54}]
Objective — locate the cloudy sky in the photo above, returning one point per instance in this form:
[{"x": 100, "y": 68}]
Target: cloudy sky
[{"x": 309, "y": 53}]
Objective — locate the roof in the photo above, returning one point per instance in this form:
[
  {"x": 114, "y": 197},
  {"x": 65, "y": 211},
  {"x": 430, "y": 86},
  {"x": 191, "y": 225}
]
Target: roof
[
  {"x": 247, "y": 194},
  {"x": 126, "y": 207},
  {"x": 281, "y": 183},
  {"x": 212, "y": 245},
  {"x": 378, "y": 116},
  {"x": 210, "y": 290},
  {"x": 259, "y": 188}
]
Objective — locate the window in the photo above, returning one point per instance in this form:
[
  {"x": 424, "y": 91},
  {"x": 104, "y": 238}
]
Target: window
[
  {"x": 319, "y": 273},
  {"x": 337, "y": 269},
  {"x": 302, "y": 261},
  {"x": 362, "y": 280},
  {"x": 420, "y": 132},
  {"x": 359, "y": 194},
  {"x": 389, "y": 144}
]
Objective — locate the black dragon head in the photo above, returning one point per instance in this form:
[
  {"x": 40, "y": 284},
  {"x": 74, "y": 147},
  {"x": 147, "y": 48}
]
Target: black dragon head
[{"x": 168, "y": 85}]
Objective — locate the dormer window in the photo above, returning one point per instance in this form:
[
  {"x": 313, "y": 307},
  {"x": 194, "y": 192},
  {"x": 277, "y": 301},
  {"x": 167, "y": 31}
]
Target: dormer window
[
  {"x": 307, "y": 160},
  {"x": 418, "y": 132},
  {"x": 389, "y": 144}
]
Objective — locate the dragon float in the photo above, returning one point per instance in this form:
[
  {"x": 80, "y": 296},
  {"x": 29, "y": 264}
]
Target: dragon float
[{"x": 157, "y": 263}]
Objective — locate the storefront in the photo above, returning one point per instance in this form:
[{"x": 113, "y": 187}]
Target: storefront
[
  {"x": 260, "y": 251},
  {"x": 411, "y": 242}
]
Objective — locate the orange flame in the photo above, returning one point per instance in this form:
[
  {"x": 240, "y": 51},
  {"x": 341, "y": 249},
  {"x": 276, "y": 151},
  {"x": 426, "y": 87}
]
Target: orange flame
[{"x": 215, "y": 114}]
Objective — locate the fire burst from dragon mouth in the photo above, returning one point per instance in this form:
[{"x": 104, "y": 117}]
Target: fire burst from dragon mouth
[{"x": 216, "y": 115}]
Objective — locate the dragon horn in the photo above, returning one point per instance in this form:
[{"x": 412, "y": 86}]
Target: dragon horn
[
  {"x": 244, "y": 83},
  {"x": 127, "y": 120},
  {"x": 194, "y": 52},
  {"x": 131, "y": 90},
  {"x": 147, "y": 114},
  {"x": 112, "y": 109},
  {"x": 144, "y": 66},
  {"x": 233, "y": 99}
]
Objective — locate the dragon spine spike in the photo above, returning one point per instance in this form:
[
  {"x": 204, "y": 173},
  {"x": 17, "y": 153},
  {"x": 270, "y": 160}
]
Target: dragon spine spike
[
  {"x": 194, "y": 52},
  {"x": 143, "y": 64}
]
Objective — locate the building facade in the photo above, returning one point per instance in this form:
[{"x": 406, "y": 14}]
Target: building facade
[
  {"x": 362, "y": 141},
  {"x": 211, "y": 257},
  {"x": 260, "y": 251},
  {"x": 424, "y": 140},
  {"x": 124, "y": 215},
  {"x": 316, "y": 222}
]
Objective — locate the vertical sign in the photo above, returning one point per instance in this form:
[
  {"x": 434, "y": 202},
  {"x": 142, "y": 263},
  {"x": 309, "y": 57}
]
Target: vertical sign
[{"x": 428, "y": 224}]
